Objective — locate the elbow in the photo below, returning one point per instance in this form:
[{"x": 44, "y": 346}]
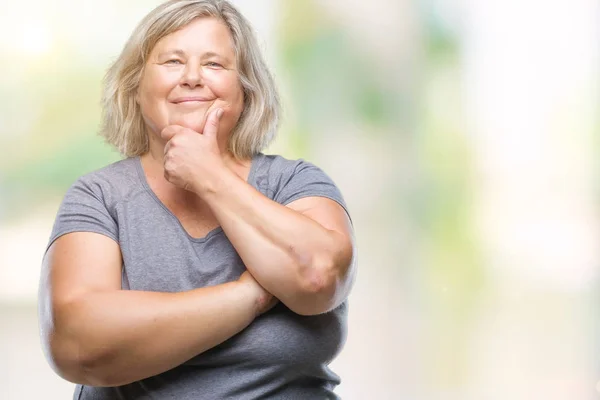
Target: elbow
[
  {"x": 63, "y": 358},
  {"x": 317, "y": 296},
  {"x": 92, "y": 370},
  {"x": 74, "y": 362},
  {"x": 324, "y": 287},
  {"x": 321, "y": 281},
  {"x": 69, "y": 350}
]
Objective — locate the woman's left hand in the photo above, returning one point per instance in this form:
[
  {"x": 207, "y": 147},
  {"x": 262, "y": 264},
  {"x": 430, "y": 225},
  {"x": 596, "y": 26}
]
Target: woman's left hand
[{"x": 192, "y": 160}]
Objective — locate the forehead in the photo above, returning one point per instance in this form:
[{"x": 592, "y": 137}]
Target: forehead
[{"x": 200, "y": 36}]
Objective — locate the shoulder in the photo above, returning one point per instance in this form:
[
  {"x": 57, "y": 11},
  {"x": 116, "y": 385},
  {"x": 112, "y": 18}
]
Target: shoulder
[
  {"x": 91, "y": 203},
  {"x": 289, "y": 179},
  {"x": 279, "y": 168},
  {"x": 278, "y": 162},
  {"x": 274, "y": 170},
  {"x": 110, "y": 184}
]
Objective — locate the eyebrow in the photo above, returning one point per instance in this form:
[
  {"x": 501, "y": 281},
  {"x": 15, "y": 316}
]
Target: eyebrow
[{"x": 177, "y": 52}]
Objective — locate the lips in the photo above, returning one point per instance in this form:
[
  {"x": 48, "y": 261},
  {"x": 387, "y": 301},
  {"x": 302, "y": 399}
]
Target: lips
[{"x": 184, "y": 100}]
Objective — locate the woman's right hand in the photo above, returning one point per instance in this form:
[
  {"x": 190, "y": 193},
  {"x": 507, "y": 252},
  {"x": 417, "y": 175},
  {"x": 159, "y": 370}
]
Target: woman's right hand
[{"x": 264, "y": 300}]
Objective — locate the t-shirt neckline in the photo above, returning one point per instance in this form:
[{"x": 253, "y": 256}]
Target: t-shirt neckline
[{"x": 142, "y": 177}]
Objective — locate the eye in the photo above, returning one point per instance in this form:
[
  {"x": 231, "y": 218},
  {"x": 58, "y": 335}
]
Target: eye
[
  {"x": 173, "y": 61},
  {"x": 213, "y": 64}
]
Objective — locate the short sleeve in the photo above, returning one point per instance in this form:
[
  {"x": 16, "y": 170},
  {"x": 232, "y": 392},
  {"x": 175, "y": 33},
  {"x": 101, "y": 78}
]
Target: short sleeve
[
  {"x": 83, "y": 209},
  {"x": 305, "y": 179}
]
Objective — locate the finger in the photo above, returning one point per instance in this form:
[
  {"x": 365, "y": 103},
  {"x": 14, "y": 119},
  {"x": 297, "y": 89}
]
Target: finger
[
  {"x": 211, "y": 129},
  {"x": 169, "y": 131}
]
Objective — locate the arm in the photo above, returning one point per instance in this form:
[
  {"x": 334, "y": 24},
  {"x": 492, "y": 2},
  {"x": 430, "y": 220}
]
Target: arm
[
  {"x": 303, "y": 253},
  {"x": 96, "y": 334}
]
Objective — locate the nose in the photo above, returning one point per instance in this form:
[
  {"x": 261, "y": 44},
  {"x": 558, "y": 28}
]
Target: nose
[{"x": 192, "y": 76}]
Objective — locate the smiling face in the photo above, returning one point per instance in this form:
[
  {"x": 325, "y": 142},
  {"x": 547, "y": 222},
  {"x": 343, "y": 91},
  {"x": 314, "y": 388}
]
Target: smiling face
[{"x": 190, "y": 73}]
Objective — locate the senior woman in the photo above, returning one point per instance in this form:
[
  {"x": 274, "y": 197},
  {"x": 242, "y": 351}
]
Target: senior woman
[{"x": 197, "y": 267}]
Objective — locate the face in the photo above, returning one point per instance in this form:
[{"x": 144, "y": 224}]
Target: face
[{"x": 190, "y": 73}]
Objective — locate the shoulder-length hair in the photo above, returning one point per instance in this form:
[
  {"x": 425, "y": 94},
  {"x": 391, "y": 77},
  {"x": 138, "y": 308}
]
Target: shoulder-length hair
[{"x": 122, "y": 122}]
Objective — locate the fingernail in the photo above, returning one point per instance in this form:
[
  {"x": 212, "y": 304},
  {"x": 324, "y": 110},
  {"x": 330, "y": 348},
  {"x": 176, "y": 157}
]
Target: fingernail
[{"x": 219, "y": 113}]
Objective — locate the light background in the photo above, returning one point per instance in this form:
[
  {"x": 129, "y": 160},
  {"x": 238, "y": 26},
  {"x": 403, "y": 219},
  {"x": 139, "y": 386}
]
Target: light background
[{"x": 463, "y": 134}]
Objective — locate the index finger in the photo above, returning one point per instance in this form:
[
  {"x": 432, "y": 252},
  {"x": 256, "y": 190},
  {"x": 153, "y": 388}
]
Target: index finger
[{"x": 168, "y": 132}]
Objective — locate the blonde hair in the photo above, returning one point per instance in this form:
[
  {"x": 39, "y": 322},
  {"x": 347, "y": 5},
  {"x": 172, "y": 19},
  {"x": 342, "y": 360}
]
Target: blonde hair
[{"x": 122, "y": 122}]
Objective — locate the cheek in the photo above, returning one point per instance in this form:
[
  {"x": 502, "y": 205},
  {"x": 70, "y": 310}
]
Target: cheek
[
  {"x": 226, "y": 87},
  {"x": 156, "y": 86},
  {"x": 151, "y": 97},
  {"x": 237, "y": 96},
  {"x": 149, "y": 106}
]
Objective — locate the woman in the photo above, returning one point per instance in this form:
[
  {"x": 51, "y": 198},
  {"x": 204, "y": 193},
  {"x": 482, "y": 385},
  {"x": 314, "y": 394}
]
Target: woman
[{"x": 196, "y": 267}]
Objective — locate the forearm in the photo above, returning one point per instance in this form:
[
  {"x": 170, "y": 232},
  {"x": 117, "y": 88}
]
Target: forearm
[
  {"x": 291, "y": 255},
  {"x": 123, "y": 336}
]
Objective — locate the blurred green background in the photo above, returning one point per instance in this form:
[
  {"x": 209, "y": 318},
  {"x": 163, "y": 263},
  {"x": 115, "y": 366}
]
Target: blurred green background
[{"x": 463, "y": 134}]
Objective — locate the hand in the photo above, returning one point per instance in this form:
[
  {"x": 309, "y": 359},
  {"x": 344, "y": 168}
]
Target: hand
[
  {"x": 192, "y": 160},
  {"x": 264, "y": 300}
]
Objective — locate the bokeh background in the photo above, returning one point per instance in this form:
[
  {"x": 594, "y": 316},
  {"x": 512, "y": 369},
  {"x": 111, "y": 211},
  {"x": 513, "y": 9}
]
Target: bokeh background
[{"x": 463, "y": 134}]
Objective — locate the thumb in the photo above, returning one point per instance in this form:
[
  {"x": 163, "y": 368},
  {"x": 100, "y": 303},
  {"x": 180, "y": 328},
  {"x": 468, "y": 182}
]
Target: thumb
[{"x": 211, "y": 129}]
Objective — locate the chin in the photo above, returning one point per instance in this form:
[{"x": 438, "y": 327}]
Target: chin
[{"x": 194, "y": 121}]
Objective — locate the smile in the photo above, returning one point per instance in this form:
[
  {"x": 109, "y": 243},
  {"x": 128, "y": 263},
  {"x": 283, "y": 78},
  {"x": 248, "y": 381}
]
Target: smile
[{"x": 191, "y": 100}]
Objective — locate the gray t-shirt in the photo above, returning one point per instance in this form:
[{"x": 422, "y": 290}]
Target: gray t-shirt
[{"x": 280, "y": 355}]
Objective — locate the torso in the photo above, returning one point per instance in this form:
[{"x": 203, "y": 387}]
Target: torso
[{"x": 169, "y": 246}]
